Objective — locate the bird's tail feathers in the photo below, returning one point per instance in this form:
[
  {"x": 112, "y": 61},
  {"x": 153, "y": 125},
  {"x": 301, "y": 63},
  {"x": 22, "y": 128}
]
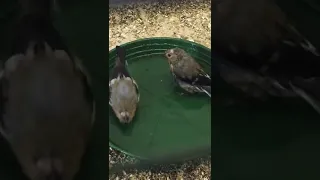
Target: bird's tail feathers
[
  {"x": 308, "y": 89},
  {"x": 296, "y": 38},
  {"x": 35, "y": 24},
  {"x": 253, "y": 83},
  {"x": 37, "y": 6},
  {"x": 38, "y": 47},
  {"x": 121, "y": 53},
  {"x": 309, "y": 47},
  {"x": 207, "y": 90}
]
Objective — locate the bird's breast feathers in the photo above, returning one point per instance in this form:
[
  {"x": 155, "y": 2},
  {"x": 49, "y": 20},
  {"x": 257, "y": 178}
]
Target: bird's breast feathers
[{"x": 171, "y": 67}]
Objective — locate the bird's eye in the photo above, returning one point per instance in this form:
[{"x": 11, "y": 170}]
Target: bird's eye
[{"x": 168, "y": 55}]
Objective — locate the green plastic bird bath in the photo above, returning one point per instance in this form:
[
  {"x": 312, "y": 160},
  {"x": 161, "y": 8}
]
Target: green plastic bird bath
[{"x": 166, "y": 120}]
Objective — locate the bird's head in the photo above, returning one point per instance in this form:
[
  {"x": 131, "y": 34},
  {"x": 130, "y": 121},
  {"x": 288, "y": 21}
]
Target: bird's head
[
  {"x": 124, "y": 117},
  {"x": 174, "y": 55}
]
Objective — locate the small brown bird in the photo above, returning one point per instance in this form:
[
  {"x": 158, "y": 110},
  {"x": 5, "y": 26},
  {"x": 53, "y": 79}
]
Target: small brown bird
[
  {"x": 188, "y": 74},
  {"x": 263, "y": 53},
  {"x": 47, "y": 107},
  {"x": 123, "y": 90}
]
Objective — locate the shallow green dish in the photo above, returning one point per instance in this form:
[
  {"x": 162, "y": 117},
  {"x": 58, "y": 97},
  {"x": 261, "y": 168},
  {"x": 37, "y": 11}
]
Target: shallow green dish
[{"x": 166, "y": 121}]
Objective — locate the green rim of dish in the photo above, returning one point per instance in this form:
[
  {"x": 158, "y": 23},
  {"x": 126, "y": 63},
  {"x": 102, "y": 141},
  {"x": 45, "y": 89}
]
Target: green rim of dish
[{"x": 145, "y": 47}]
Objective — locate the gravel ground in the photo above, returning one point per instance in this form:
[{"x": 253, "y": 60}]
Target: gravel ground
[{"x": 189, "y": 19}]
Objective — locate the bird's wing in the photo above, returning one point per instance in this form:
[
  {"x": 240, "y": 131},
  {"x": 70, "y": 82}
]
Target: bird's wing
[
  {"x": 87, "y": 83},
  {"x": 197, "y": 79},
  {"x": 309, "y": 90},
  {"x": 201, "y": 72},
  {"x": 202, "y": 78},
  {"x": 294, "y": 38},
  {"x": 199, "y": 76},
  {"x": 190, "y": 72},
  {"x": 3, "y": 99},
  {"x": 137, "y": 88},
  {"x": 82, "y": 72},
  {"x": 118, "y": 73}
]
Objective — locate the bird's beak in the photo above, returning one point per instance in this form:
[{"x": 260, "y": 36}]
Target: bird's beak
[
  {"x": 166, "y": 53},
  {"x": 125, "y": 118}
]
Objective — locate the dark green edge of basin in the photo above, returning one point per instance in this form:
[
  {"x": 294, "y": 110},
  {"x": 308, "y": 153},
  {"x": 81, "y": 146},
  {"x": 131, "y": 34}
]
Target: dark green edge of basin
[{"x": 156, "y": 46}]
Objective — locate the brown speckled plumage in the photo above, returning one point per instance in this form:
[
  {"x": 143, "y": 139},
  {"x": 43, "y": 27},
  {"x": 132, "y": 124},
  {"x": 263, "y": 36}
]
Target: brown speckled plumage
[{"x": 188, "y": 74}]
